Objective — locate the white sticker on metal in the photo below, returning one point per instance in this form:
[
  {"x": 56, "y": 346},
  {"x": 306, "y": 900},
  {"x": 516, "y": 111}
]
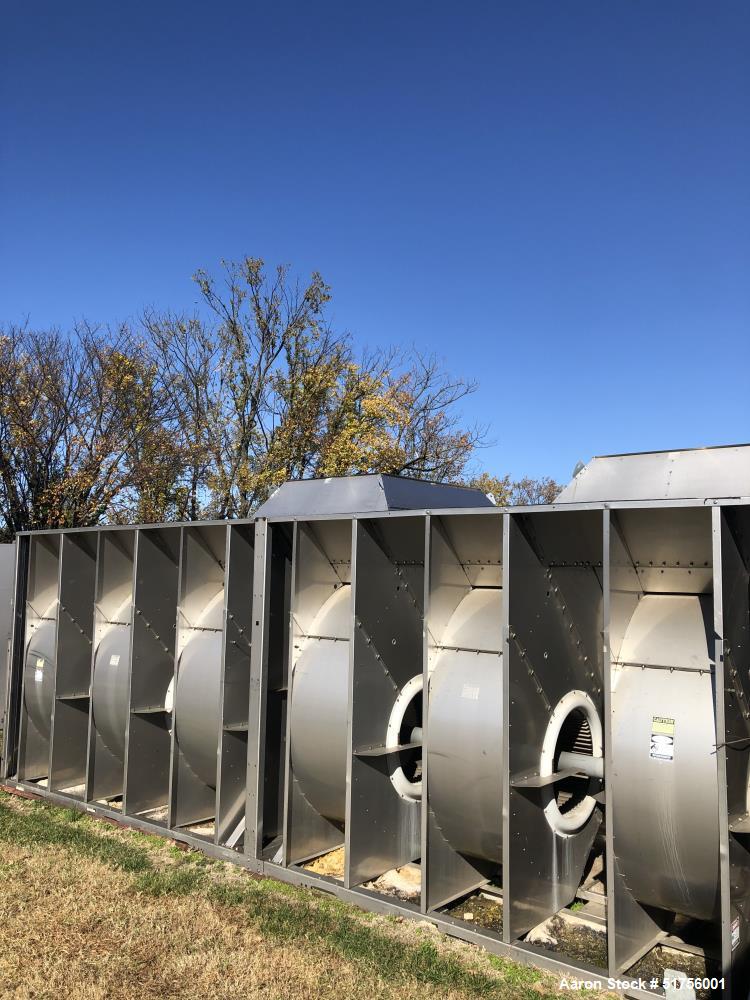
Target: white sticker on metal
[
  {"x": 676, "y": 985},
  {"x": 114, "y": 660},
  {"x": 470, "y": 693},
  {"x": 735, "y": 932},
  {"x": 38, "y": 675},
  {"x": 662, "y": 738}
]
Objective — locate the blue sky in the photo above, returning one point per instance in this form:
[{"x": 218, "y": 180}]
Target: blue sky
[{"x": 552, "y": 196}]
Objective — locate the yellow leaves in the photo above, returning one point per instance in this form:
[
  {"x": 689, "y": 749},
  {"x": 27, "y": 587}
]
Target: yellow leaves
[
  {"x": 499, "y": 488},
  {"x": 190, "y": 418}
]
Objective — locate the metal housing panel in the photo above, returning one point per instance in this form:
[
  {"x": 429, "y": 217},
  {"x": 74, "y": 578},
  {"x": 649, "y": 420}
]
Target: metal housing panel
[
  {"x": 555, "y": 626},
  {"x": 199, "y": 664},
  {"x": 271, "y": 615},
  {"x": 321, "y": 628},
  {"x": 463, "y": 716},
  {"x": 37, "y": 665},
  {"x": 342, "y": 495},
  {"x": 663, "y": 475},
  {"x": 235, "y": 687},
  {"x": 734, "y": 741},
  {"x": 7, "y": 573},
  {"x": 70, "y": 720},
  {"x": 382, "y": 826},
  {"x": 14, "y": 686},
  {"x": 661, "y": 676},
  {"x": 110, "y": 664},
  {"x": 147, "y": 760}
]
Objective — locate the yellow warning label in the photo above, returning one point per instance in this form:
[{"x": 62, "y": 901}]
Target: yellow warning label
[
  {"x": 662, "y": 738},
  {"x": 662, "y": 725}
]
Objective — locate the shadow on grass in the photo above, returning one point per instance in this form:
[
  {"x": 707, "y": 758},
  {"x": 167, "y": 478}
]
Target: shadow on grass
[
  {"x": 281, "y": 912},
  {"x": 44, "y": 824},
  {"x": 331, "y": 923}
]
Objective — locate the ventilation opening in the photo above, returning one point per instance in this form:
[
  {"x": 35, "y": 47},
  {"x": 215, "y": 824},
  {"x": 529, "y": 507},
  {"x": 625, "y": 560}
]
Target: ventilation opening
[
  {"x": 405, "y": 727},
  {"x": 411, "y": 732},
  {"x": 575, "y": 737}
]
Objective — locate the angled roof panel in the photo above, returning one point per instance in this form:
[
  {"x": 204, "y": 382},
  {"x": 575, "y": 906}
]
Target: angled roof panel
[
  {"x": 698, "y": 473},
  {"x": 364, "y": 495}
]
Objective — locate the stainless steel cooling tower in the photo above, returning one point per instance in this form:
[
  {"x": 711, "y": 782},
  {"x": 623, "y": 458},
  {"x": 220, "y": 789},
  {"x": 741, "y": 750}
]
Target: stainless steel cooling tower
[{"x": 460, "y": 712}]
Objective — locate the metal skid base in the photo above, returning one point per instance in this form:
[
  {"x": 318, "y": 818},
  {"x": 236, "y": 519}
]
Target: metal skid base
[
  {"x": 494, "y": 695},
  {"x": 365, "y": 899}
]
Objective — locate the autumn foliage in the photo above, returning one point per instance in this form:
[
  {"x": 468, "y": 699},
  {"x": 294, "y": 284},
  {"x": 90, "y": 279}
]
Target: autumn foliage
[{"x": 191, "y": 416}]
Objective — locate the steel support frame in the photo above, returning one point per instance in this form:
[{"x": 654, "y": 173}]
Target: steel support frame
[
  {"x": 461, "y": 554},
  {"x": 552, "y": 582},
  {"x": 730, "y": 533},
  {"x": 365, "y": 899}
]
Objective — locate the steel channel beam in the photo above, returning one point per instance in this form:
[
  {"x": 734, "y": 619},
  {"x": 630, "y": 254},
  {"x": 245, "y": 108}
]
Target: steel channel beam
[
  {"x": 256, "y": 745},
  {"x": 251, "y": 858},
  {"x": 363, "y": 898},
  {"x": 14, "y": 679},
  {"x": 609, "y": 849}
]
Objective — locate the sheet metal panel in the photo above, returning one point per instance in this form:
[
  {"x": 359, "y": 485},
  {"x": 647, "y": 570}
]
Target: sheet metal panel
[
  {"x": 733, "y": 754},
  {"x": 147, "y": 756},
  {"x": 662, "y": 806},
  {"x": 382, "y": 827},
  {"x": 629, "y": 926},
  {"x": 14, "y": 682},
  {"x": 321, "y": 570},
  {"x": 555, "y": 623},
  {"x": 37, "y": 691},
  {"x": 7, "y": 572},
  {"x": 339, "y": 495},
  {"x": 663, "y": 475},
  {"x": 197, "y": 712},
  {"x": 271, "y": 621},
  {"x": 445, "y": 873},
  {"x": 234, "y": 694},
  {"x": 110, "y": 664},
  {"x": 70, "y": 719},
  {"x": 462, "y": 768}
]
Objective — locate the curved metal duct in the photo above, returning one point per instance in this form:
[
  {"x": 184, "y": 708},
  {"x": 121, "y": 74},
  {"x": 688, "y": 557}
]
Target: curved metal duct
[
  {"x": 320, "y": 712},
  {"x": 110, "y": 686},
  {"x": 664, "y": 756},
  {"x": 194, "y": 700},
  {"x": 39, "y": 672},
  {"x": 319, "y": 708},
  {"x": 464, "y": 738},
  {"x": 464, "y": 733},
  {"x": 197, "y": 714}
]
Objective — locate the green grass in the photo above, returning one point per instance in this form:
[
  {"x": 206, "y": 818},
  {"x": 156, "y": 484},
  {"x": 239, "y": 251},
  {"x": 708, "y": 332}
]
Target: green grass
[{"x": 280, "y": 912}]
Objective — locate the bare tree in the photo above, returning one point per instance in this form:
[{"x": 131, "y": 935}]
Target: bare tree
[
  {"x": 271, "y": 392},
  {"x": 204, "y": 415}
]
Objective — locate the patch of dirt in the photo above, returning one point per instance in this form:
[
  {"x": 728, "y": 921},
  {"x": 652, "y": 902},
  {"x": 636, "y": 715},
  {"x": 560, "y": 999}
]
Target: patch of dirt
[
  {"x": 331, "y": 864},
  {"x": 403, "y": 883},
  {"x": 75, "y": 925},
  {"x": 654, "y": 964},
  {"x": 479, "y": 909},
  {"x": 573, "y": 939}
]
